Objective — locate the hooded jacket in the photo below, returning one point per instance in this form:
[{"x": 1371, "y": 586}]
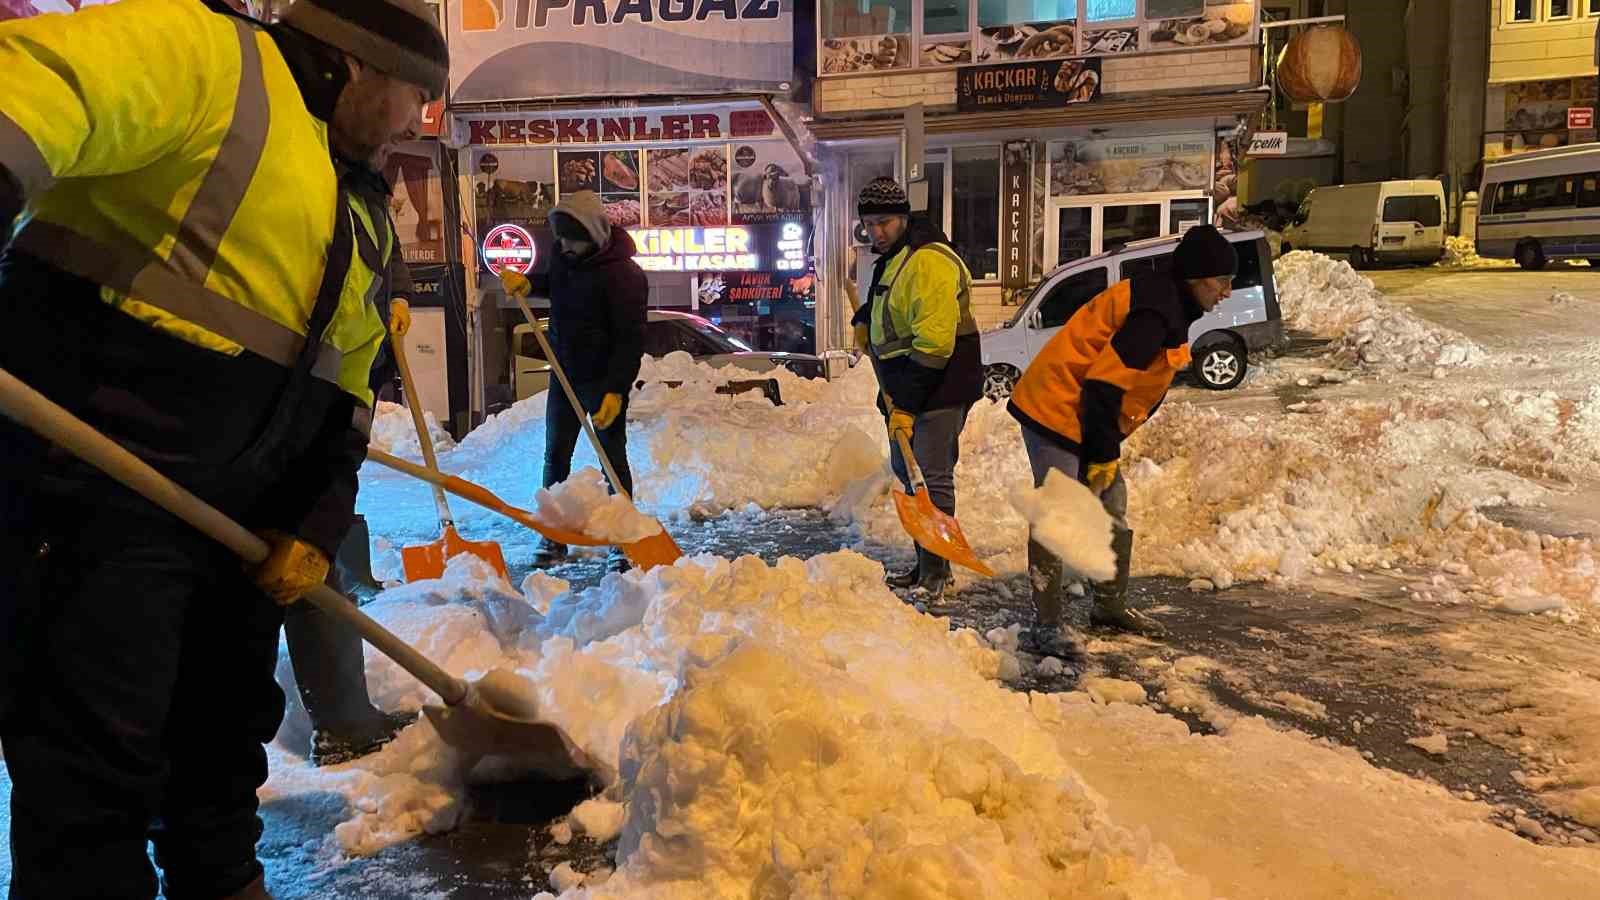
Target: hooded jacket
[
  {"x": 924, "y": 341},
  {"x": 598, "y": 303}
]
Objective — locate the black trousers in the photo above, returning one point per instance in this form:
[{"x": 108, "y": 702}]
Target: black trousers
[
  {"x": 140, "y": 691},
  {"x": 562, "y": 430}
]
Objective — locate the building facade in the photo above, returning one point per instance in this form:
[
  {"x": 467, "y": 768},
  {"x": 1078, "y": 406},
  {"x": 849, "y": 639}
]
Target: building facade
[
  {"x": 1054, "y": 129},
  {"x": 1541, "y": 64}
]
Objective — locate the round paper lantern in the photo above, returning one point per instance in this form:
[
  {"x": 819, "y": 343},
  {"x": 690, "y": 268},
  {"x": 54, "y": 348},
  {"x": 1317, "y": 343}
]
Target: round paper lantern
[{"x": 1320, "y": 65}]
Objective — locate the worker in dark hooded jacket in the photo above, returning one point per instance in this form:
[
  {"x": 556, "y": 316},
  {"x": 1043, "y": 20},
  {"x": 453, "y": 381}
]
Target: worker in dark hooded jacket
[
  {"x": 1093, "y": 384},
  {"x": 599, "y": 301},
  {"x": 924, "y": 346}
]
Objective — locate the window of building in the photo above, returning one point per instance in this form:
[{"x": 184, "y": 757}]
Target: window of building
[
  {"x": 1186, "y": 214},
  {"x": 992, "y": 13},
  {"x": 975, "y": 208},
  {"x": 1594, "y": 7},
  {"x": 1521, "y": 10},
  {"x": 1560, "y": 9},
  {"x": 945, "y": 16},
  {"x": 1176, "y": 9},
  {"x": 861, "y": 18},
  {"x": 1110, "y": 10}
]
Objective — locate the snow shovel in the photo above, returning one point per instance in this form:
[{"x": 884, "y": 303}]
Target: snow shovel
[
  {"x": 426, "y": 561},
  {"x": 657, "y": 550},
  {"x": 933, "y": 529},
  {"x": 476, "y": 722}
]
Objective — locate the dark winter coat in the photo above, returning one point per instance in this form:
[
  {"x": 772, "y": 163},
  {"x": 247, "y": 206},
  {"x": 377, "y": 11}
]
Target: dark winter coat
[{"x": 598, "y": 304}]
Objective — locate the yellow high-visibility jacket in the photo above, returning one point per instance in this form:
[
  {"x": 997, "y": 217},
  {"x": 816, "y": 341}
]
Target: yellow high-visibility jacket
[{"x": 166, "y": 154}]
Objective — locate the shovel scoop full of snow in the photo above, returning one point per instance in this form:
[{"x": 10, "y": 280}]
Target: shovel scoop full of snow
[
  {"x": 497, "y": 715},
  {"x": 1069, "y": 520},
  {"x": 933, "y": 529}
]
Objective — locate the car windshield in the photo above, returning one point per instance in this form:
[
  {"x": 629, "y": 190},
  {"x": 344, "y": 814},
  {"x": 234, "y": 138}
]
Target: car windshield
[{"x": 723, "y": 341}]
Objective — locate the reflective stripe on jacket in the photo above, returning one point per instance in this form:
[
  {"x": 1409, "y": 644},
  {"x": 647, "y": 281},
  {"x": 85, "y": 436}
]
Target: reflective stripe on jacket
[
  {"x": 1105, "y": 372},
  {"x": 166, "y": 154}
]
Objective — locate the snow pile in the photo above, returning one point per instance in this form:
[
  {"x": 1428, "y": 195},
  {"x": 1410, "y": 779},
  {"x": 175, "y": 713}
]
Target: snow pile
[
  {"x": 395, "y": 432},
  {"x": 1069, "y": 520},
  {"x": 1462, "y": 253},
  {"x": 794, "y": 726},
  {"x": 584, "y": 504},
  {"x": 1329, "y": 299}
]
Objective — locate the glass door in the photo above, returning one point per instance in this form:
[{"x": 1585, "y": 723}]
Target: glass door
[{"x": 1078, "y": 228}]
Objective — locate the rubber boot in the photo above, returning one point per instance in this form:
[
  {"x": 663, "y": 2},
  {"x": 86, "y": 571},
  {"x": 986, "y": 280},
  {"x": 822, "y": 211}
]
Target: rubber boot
[
  {"x": 1046, "y": 575},
  {"x": 1111, "y": 610},
  {"x": 549, "y": 553},
  {"x": 933, "y": 576},
  {"x": 906, "y": 578},
  {"x": 354, "y": 560},
  {"x": 617, "y": 561},
  {"x": 330, "y": 671}
]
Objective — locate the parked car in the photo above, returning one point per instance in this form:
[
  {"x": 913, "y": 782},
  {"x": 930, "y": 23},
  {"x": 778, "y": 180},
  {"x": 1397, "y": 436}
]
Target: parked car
[
  {"x": 1378, "y": 222},
  {"x": 1220, "y": 342},
  {"x": 665, "y": 332}
]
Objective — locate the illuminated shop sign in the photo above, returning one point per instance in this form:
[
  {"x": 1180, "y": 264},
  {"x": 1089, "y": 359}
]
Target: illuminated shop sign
[
  {"x": 748, "y": 248},
  {"x": 509, "y": 247}
]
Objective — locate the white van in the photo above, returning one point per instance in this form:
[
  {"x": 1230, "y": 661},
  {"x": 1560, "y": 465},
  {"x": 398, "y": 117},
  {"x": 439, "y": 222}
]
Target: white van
[
  {"x": 1540, "y": 206},
  {"x": 1384, "y": 221},
  {"x": 1220, "y": 342}
]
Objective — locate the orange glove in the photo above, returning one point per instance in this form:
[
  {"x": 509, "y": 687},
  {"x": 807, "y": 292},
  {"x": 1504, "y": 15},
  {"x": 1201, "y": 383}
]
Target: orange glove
[
  {"x": 1102, "y": 476},
  {"x": 515, "y": 283},
  {"x": 610, "y": 407},
  {"x": 291, "y": 570},
  {"x": 901, "y": 422},
  {"x": 399, "y": 317}
]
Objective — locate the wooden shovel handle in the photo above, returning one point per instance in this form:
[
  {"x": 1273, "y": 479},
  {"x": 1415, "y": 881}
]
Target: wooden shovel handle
[
  {"x": 37, "y": 413},
  {"x": 409, "y": 385},
  {"x": 913, "y": 471}
]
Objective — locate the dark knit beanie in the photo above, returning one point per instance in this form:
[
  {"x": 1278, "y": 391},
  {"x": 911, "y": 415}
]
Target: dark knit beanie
[
  {"x": 1204, "y": 253},
  {"x": 400, "y": 38},
  {"x": 883, "y": 197}
]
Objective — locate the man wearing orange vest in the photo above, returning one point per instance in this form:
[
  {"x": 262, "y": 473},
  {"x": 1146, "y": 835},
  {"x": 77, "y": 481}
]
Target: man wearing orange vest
[{"x": 1102, "y": 376}]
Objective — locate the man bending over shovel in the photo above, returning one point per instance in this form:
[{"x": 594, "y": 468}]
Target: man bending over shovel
[
  {"x": 924, "y": 347},
  {"x": 1098, "y": 379}
]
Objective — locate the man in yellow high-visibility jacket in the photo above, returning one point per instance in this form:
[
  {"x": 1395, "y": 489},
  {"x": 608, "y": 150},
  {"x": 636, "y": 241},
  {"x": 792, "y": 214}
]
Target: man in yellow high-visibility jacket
[
  {"x": 924, "y": 346},
  {"x": 193, "y": 272}
]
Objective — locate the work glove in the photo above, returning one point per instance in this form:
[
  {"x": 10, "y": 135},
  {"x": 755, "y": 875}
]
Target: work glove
[
  {"x": 609, "y": 409},
  {"x": 515, "y": 283},
  {"x": 901, "y": 422},
  {"x": 291, "y": 569},
  {"x": 1101, "y": 476},
  {"x": 399, "y": 317}
]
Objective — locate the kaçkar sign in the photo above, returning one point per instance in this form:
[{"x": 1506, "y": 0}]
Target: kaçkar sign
[{"x": 526, "y": 49}]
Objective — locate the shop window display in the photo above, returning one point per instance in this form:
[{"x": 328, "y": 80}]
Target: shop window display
[{"x": 865, "y": 35}]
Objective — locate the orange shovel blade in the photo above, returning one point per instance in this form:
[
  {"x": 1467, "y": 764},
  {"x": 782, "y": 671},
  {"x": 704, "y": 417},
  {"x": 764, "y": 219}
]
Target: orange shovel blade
[
  {"x": 658, "y": 549},
  {"x": 426, "y": 561},
  {"x": 936, "y": 531}
]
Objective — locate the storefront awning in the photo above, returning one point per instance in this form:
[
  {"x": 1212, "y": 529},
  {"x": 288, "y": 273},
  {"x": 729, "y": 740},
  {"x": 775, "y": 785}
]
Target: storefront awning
[{"x": 1102, "y": 112}]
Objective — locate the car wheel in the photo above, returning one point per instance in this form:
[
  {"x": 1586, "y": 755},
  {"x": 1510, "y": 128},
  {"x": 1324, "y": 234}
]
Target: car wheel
[
  {"x": 1220, "y": 365},
  {"x": 1594, "y": 263},
  {"x": 1530, "y": 256},
  {"x": 999, "y": 381},
  {"x": 1358, "y": 258}
]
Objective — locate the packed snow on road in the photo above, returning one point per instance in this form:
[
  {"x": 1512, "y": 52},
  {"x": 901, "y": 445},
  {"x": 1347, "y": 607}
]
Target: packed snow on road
[{"x": 795, "y": 729}]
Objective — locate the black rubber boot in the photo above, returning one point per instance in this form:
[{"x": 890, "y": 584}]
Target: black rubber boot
[
  {"x": 1111, "y": 610},
  {"x": 330, "y": 671},
  {"x": 549, "y": 553},
  {"x": 617, "y": 561},
  {"x": 906, "y": 578},
  {"x": 1047, "y": 575},
  {"x": 933, "y": 576}
]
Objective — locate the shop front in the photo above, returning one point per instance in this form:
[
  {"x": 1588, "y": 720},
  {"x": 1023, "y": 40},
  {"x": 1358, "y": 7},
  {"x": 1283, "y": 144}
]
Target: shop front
[
  {"x": 669, "y": 119},
  {"x": 1042, "y": 141}
]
